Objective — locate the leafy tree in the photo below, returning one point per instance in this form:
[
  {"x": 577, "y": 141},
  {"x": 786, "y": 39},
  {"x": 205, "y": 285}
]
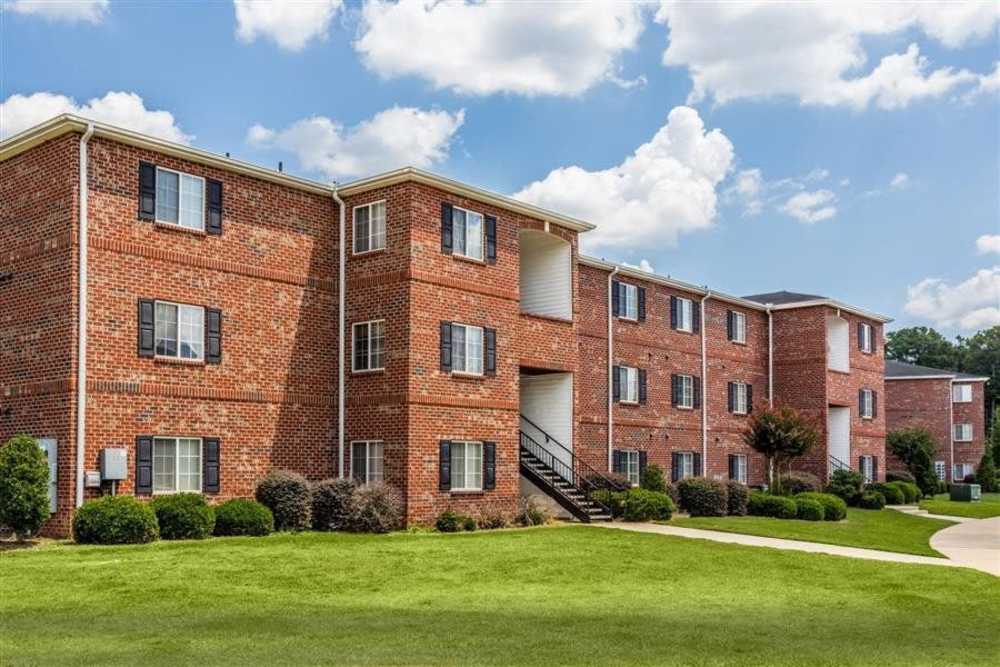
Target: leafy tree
[
  {"x": 652, "y": 479},
  {"x": 24, "y": 484},
  {"x": 921, "y": 345},
  {"x": 986, "y": 473},
  {"x": 781, "y": 435},
  {"x": 915, "y": 448},
  {"x": 980, "y": 355},
  {"x": 994, "y": 441}
]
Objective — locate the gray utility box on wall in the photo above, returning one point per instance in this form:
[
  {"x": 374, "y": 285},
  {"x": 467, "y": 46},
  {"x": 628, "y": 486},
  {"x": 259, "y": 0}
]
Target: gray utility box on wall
[{"x": 114, "y": 464}]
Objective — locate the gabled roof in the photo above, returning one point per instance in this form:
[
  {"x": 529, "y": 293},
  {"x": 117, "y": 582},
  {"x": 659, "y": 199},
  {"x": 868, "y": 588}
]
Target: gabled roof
[
  {"x": 900, "y": 370},
  {"x": 783, "y": 297},
  {"x": 785, "y": 300}
]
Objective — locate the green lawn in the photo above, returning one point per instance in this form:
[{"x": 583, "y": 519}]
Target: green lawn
[
  {"x": 568, "y": 595},
  {"x": 986, "y": 508},
  {"x": 887, "y": 530}
]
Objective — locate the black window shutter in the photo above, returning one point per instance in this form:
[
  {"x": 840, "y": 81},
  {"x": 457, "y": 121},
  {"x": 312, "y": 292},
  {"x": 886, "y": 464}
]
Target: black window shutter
[
  {"x": 861, "y": 402},
  {"x": 144, "y": 464},
  {"x": 731, "y": 396},
  {"x": 642, "y": 463},
  {"x": 696, "y": 467},
  {"x": 616, "y": 384},
  {"x": 861, "y": 331},
  {"x": 730, "y": 328},
  {"x": 696, "y": 390},
  {"x": 490, "y": 350},
  {"x": 695, "y": 317},
  {"x": 446, "y": 347},
  {"x": 674, "y": 305},
  {"x": 874, "y": 468},
  {"x": 874, "y": 403},
  {"x": 642, "y": 386},
  {"x": 675, "y": 466},
  {"x": 861, "y": 464},
  {"x": 675, "y": 390},
  {"x": 615, "y": 298},
  {"x": 446, "y": 242},
  {"x": 732, "y": 466},
  {"x": 489, "y": 465},
  {"x": 210, "y": 465},
  {"x": 616, "y": 461},
  {"x": 213, "y": 336},
  {"x": 641, "y": 298},
  {"x": 147, "y": 328},
  {"x": 444, "y": 466},
  {"x": 491, "y": 239},
  {"x": 749, "y": 398},
  {"x": 213, "y": 207},
  {"x": 147, "y": 191}
]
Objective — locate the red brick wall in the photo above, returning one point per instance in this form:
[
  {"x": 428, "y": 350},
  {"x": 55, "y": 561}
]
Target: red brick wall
[
  {"x": 922, "y": 404},
  {"x": 972, "y": 413}
]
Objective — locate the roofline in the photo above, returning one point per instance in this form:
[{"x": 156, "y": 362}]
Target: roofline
[
  {"x": 413, "y": 174},
  {"x": 833, "y": 303},
  {"x": 953, "y": 378}
]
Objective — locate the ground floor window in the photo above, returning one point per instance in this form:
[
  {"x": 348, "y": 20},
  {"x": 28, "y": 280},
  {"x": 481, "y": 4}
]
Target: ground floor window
[
  {"x": 867, "y": 469},
  {"x": 738, "y": 468},
  {"x": 466, "y": 466},
  {"x": 939, "y": 469},
  {"x": 960, "y": 470},
  {"x": 176, "y": 465},
  {"x": 366, "y": 461},
  {"x": 684, "y": 465},
  {"x": 630, "y": 466}
]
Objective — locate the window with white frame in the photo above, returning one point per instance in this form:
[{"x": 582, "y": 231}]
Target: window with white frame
[
  {"x": 685, "y": 391},
  {"x": 466, "y": 466},
  {"x": 867, "y": 403},
  {"x": 865, "y": 331},
  {"x": 366, "y": 461},
  {"x": 467, "y": 233},
  {"x": 630, "y": 465},
  {"x": 939, "y": 470},
  {"x": 180, "y": 199},
  {"x": 963, "y": 432},
  {"x": 961, "y": 393},
  {"x": 176, "y": 465},
  {"x": 179, "y": 331},
  {"x": 739, "y": 327},
  {"x": 629, "y": 306},
  {"x": 740, "y": 398},
  {"x": 685, "y": 465},
  {"x": 369, "y": 344},
  {"x": 867, "y": 469},
  {"x": 369, "y": 227},
  {"x": 739, "y": 471},
  {"x": 629, "y": 384},
  {"x": 466, "y": 349},
  {"x": 960, "y": 470},
  {"x": 685, "y": 314}
]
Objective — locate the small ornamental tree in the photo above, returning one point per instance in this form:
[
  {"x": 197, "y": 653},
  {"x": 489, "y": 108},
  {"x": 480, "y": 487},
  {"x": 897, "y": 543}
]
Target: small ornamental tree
[
  {"x": 24, "y": 486},
  {"x": 994, "y": 442},
  {"x": 915, "y": 448},
  {"x": 781, "y": 435},
  {"x": 986, "y": 473}
]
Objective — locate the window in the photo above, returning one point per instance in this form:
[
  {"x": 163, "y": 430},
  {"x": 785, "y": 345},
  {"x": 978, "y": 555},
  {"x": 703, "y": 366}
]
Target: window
[
  {"x": 961, "y": 393},
  {"x": 466, "y": 466},
  {"x": 963, "y": 433},
  {"x": 369, "y": 227},
  {"x": 939, "y": 470},
  {"x": 685, "y": 391},
  {"x": 685, "y": 465},
  {"x": 960, "y": 470},
  {"x": 180, "y": 331},
  {"x": 629, "y": 384},
  {"x": 738, "y": 327},
  {"x": 865, "y": 337},
  {"x": 867, "y": 469},
  {"x": 867, "y": 404},
  {"x": 176, "y": 465},
  {"x": 685, "y": 314},
  {"x": 738, "y": 468},
  {"x": 369, "y": 342},
  {"x": 466, "y": 349},
  {"x": 740, "y": 398},
  {"x": 366, "y": 461},
  {"x": 180, "y": 199},
  {"x": 467, "y": 233},
  {"x": 630, "y": 465},
  {"x": 629, "y": 302}
]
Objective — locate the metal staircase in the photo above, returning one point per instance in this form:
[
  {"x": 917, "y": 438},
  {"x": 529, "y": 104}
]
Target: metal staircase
[
  {"x": 561, "y": 475},
  {"x": 836, "y": 464}
]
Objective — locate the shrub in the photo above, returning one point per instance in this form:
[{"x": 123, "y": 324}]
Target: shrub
[
  {"x": 532, "y": 514},
  {"x": 613, "y": 500},
  {"x": 701, "y": 496},
  {"x": 377, "y": 508},
  {"x": 652, "y": 479},
  {"x": 986, "y": 473},
  {"x": 492, "y": 521},
  {"x": 674, "y": 494},
  {"x": 183, "y": 516},
  {"x": 448, "y": 522},
  {"x": 288, "y": 496},
  {"x": 808, "y": 510},
  {"x": 643, "y": 505},
  {"x": 910, "y": 491},
  {"x": 847, "y": 485},
  {"x": 915, "y": 448},
  {"x": 795, "y": 483},
  {"x": 891, "y": 493},
  {"x": 765, "y": 504},
  {"x": 332, "y": 504},
  {"x": 115, "y": 520},
  {"x": 609, "y": 481},
  {"x": 24, "y": 486},
  {"x": 738, "y": 496},
  {"x": 899, "y": 476},
  {"x": 834, "y": 507},
  {"x": 242, "y": 516},
  {"x": 871, "y": 500}
]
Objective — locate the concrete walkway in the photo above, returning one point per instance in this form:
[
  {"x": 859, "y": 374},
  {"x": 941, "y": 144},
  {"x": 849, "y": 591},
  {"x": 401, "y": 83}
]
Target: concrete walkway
[
  {"x": 916, "y": 511},
  {"x": 973, "y": 543}
]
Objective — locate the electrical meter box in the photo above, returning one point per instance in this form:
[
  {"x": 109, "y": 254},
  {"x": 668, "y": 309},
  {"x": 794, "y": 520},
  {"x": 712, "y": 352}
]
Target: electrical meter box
[{"x": 114, "y": 464}]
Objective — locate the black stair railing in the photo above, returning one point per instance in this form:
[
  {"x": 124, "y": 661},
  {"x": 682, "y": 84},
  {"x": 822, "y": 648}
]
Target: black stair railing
[{"x": 837, "y": 464}]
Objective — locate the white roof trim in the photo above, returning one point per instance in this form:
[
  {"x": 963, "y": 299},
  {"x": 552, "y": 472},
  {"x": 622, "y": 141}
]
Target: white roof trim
[
  {"x": 833, "y": 303},
  {"x": 954, "y": 378}
]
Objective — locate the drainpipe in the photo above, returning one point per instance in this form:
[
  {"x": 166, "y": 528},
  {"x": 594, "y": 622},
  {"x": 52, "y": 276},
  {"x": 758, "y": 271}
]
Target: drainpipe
[
  {"x": 770, "y": 357},
  {"x": 341, "y": 335},
  {"x": 611, "y": 362},
  {"x": 704, "y": 387},
  {"x": 950, "y": 472},
  {"x": 81, "y": 345}
]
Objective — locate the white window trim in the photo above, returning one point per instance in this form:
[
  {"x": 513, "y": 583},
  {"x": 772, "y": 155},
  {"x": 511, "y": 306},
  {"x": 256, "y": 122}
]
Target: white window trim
[
  {"x": 868, "y": 404},
  {"x": 957, "y": 396},
  {"x": 941, "y": 470},
  {"x": 178, "y": 356},
  {"x": 465, "y": 463},
  {"x": 740, "y": 396},
  {"x": 741, "y": 468},
  {"x": 966, "y": 427},
  {"x": 467, "y": 356},
  {"x": 688, "y": 391},
  {"x": 368, "y": 354},
  {"x": 630, "y": 456},
  {"x": 630, "y": 379},
  {"x": 867, "y": 469},
  {"x": 354, "y": 228},
  {"x": 482, "y": 234},
  {"x": 958, "y": 471},
  {"x": 180, "y": 198},
  {"x": 177, "y": 468},
  {"x": 368, "y": 448},
  {"x": 739, "y": 332},
  {"x": 680, "y": 315},
  {"x": 866, "y": 339},
  {"x": 623, "y": 307}
]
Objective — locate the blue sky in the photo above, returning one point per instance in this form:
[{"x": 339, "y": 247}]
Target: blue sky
[{"x": 781, "y": 128}]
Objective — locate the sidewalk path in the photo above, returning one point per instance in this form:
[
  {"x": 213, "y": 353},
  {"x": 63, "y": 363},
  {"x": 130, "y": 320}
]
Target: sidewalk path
[{"x": 974, "y": 544}]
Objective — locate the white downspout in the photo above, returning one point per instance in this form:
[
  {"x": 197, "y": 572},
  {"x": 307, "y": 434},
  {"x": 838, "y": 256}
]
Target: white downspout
[
  {"x": 770, "y": 357},
  {"x": 611, "y": 362},
  {"x": 81, "y": 345},
  {"x": 704, "y": 387},
  {"x": 341, "y": 328},
  {"x": 950, "y": 472}
]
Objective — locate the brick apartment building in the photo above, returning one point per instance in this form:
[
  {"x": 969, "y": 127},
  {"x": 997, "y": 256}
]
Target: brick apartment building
[
  {"x": 950, "y": 406},
  {"x": 185, "y": 307}
]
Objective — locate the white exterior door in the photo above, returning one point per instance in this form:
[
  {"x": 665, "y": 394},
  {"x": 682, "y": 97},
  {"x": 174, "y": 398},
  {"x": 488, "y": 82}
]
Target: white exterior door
[
  {"x": 839, "y": 434},
  {"x": 48, "y": 446}
]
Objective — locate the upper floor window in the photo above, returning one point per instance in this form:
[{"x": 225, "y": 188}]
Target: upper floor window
[
  {"x": 740, "y": 397},
  {"x": 176, "y": 465},
  {"x": 369, "y": 344},
  {"x": 737, "y": 325},
  {"x": 961, "y": 393},
  {"x": 866, "y": 403},
  {"x": 466, "y": 349},
  {"x": 865, "y": 341},
  {"x": 963, "y": 432},
  {"x": 683, "y": 314},
  {"x": 628, "y": 301},
  {"x": 180, "y": 199},
  {"x": 629, "y": 384},
  {"x": 467, "y": 233},
  {"x": 366, "y": 461},
  {"x": 180, "y": 331},
  {"x": 369, "y": 227},
  {"x": 684, "y": 392}
]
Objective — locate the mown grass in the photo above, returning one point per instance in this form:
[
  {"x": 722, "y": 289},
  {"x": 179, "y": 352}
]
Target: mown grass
[{"x": 986, "y": 508}]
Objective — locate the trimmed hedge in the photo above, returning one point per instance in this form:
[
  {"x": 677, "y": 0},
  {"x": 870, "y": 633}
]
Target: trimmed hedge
[
  {"x": 871, "y": 500},
  {"x": 834, "y": 507},
  {"x": 242, "y": 516},
  {"x": 778, "y": 507},
  {"x": 846, "y": 484},
  {"x": 378, "y": 508},
  {"x": 643, "y": 505},
  {"x": 808, "y": 510},
  {"x": 613, "y": 500},
  {"x": 333, "y": 504},
  {"x": 701, "y": 496},
  {"x": 115, "y": 520},
  {"x": 911, "y": 492},
  {"x": 288, "y": 496},
  {"x": 893, "y": 494},
  {"x": 738, "y": 495},
  {"x": 183, "y": 516},
  {"x": 794, "y": 483},
  {"x": 448, "y": 522},
  {"x": 652, "y": 479}
]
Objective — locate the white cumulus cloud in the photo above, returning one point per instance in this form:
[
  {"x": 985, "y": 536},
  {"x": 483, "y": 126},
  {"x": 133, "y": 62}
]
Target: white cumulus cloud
[
  {"x": 970, "y": 305},
  {"x": 292, "y": 25},
  {"x": 814, "y": 52},
  {"x": 900, "y": 181},
  {"x": 393, "y": 138},
  {"x": 667, "y": 187},
  {"x": 643, "y": 265},
  {"x": 481, "y": 48},
  {"x": 71, "y": 11},
  {"x": 786, "y": 195},
  {"x": 127, "y": 110},
  {"x": 811, "y": 207},
  {"x": 988, "y": 243}
]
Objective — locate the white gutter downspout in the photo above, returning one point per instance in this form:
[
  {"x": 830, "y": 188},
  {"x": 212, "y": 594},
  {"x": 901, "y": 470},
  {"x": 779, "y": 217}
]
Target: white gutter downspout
[
  {"x": 81, "y": 344},
  {"x": 704, "y": 387},
  {"x": 341, "y": 326},
  {"x": 770, "y": 357},
  {"x": 950, "y": 473},
  {"x": 611, "y": 361}
]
